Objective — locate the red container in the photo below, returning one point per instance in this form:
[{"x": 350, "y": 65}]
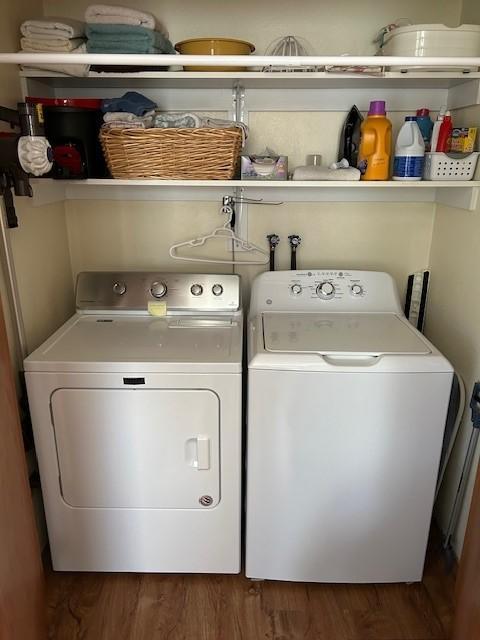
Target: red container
[{"x": 80, "y": 103}]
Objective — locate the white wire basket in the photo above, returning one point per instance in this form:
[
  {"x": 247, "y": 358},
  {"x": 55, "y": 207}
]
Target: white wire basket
[
  {"x": 450, "y": 166},
  {"x": 291, "y": 46}
]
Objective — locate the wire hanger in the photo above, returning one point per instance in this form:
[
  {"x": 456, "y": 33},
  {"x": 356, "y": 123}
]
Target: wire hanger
[{"x": 224, "y": 232}]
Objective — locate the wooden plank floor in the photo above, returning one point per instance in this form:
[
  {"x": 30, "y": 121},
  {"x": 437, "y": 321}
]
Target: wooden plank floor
[{"x": 197, "y": 607}]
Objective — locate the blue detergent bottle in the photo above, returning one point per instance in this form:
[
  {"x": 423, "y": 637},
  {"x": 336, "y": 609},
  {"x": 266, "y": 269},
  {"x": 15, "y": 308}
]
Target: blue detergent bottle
[{"x": 425, "y": 125}]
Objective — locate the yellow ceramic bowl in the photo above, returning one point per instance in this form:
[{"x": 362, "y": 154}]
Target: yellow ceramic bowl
[{"x": 214, "y": 47}]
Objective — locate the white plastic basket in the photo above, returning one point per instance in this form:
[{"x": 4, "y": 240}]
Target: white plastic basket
[{"x": 450, "y": 166}]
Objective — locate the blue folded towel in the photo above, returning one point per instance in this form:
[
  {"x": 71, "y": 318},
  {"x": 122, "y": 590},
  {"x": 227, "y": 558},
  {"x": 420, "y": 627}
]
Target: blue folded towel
[
  {"x": 126, "y": 38},
  {"x": 130, "y": 102}
]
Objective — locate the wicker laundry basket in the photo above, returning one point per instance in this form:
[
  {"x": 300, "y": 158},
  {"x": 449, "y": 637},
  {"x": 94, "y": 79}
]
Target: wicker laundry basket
[{"x": 175, "y": 154}]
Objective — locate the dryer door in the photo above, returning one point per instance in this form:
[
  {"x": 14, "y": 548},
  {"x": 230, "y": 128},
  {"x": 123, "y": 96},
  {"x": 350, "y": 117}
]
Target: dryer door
[{"x": 138, "y": 448}]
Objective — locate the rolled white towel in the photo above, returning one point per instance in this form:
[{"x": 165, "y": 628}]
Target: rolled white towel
[
  {"x": 111, "y": 14},
  {"x": 312, "y": 172},
  {"x": 52, "y": 45},
  {"x": 53, "y": 27}
]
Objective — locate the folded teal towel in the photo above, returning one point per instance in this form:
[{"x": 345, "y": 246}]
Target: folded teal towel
[{"x": 126, "y": 38}]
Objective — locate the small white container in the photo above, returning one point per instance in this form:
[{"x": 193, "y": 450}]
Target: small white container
[
  {"x": 450, "y": 166},
  {"x": 433, "y": 40}
]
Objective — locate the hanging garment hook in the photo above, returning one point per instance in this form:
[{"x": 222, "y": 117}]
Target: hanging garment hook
[
  {"x": 246, "y": 200},
  {"x": 232, "y": 200},
  {"x": 223, "y": 233}
]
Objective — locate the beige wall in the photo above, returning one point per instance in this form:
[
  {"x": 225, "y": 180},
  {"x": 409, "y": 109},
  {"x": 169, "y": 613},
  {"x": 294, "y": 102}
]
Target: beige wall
[
  {"x": 39, "y": 245},
  {"x": 470, "y": 12},
  {"x": 453, "y": 321},
  {"x": 42, "y": 259},
  {"x": 136, "y": 235},
  {"x": 331, "y": 27}
]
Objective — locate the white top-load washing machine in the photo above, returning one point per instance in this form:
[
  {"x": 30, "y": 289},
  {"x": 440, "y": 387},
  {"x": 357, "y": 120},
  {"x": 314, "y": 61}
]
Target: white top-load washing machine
[
  {"x": 137, "y": 424},
  {"x": 346, "y": 412}
]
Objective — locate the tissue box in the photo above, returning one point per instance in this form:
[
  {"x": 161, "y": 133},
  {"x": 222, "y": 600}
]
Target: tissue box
[
  {"x": 463, "y": 140},
  {"x": 264, "y": 167}
]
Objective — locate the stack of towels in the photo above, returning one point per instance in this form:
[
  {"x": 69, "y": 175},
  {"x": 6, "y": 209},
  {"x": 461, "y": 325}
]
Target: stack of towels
[
  {"x": 135, "y": 111},
  {"x": 113, "y": 29},
  {"x": 55, "y": 35},
  {"x": 131, "y": 111}
]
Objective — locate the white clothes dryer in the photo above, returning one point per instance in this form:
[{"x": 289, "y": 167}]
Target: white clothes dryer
[
  {"x": 346, "y": 412},
  {"x": 137, "y": 424}
]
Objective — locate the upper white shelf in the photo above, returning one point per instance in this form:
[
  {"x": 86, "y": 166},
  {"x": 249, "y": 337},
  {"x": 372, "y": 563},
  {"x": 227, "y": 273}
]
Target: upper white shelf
[{"x": 252, "y": 61}]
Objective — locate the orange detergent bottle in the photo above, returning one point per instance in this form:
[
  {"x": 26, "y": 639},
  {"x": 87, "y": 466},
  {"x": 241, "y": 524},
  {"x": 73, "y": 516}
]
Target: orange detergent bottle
[{"x": 375, "y": 144}]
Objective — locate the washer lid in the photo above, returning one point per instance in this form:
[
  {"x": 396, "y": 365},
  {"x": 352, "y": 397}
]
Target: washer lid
[{"x": 372, "y": 334}]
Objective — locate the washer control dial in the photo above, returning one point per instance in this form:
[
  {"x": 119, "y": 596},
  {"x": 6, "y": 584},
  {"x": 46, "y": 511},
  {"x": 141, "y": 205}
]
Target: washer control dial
[
  {"x": 356, "y": 290},
  {"x": 196, "y": 289},
  {"x": 217, "y": 289},
  {"x": 119, "y": 288},
  {"x": 158, "y": 289},
  {"x": 325, "y": 290},
  {"x": 296, "y": 289}
]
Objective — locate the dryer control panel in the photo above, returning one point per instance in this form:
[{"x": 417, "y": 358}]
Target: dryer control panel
[
  {"x": 181, "y": 292},
  {"x": 325, "y": 290}
]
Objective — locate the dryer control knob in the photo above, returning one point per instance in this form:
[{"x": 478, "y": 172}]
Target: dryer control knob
[
  {"x": 356, "y": 290},
  {"x": 158, "y": 289},
  {"x": 119, "y": 288},
  {"x": 217, "y": 289},
  {"x": 325, "y": 290},
  {"x": 296, "y": 289},
  {"x": 196, "y": 289}
]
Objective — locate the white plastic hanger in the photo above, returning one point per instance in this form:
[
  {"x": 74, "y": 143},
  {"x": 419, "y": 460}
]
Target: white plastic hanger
[{"x": 221, "y": 233}]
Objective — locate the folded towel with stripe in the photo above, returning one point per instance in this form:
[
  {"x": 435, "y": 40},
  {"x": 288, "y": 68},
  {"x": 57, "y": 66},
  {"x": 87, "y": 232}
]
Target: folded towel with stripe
[
  {"x": 118, "y": 38},
  {"x": 110, "y": 14},
  {"x": 50, "y": 45},
  {"x": 79, "y": 70},
  {"x": 188, "y": 120},
  {"x": 52, "y": 27},
  {"x": 175, "y": 120}
]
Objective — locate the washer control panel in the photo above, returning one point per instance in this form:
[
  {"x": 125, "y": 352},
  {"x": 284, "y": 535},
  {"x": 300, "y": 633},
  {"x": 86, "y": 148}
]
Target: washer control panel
[
  {"x": 332, "y": 290},
  {"x": 181, "y": 292},
  {"x": 327, "y": 285}
]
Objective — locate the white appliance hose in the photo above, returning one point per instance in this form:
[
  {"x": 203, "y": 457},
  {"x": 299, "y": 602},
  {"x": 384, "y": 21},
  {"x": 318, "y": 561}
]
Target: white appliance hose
[{"x": 453, "y": 439}]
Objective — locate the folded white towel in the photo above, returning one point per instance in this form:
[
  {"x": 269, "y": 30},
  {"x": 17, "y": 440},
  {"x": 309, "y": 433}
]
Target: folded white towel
[
  {"x": 110, "y": 14},
  {"x": 53, "y": 28},
  {"x": 78, "y": 70},
  {"x": 50, "y": 45},
  {"x": 128, "y": 118},
  {"x": 312, "y": 172}
]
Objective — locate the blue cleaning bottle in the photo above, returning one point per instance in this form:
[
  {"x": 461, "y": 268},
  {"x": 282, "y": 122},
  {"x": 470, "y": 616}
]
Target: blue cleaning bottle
[{"x": 425, "y": 125}]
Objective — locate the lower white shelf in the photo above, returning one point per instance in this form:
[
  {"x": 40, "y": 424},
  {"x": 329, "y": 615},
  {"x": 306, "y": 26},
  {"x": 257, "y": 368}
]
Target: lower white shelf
[{"x": 461, "y": 194}]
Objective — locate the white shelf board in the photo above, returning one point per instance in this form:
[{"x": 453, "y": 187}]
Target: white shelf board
[
  {"x": 246, "y": 61},
  {"x": 461, "y": 194},
  {"x": 258, "y": 79},
  {"x": 282, "y": 184}
]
